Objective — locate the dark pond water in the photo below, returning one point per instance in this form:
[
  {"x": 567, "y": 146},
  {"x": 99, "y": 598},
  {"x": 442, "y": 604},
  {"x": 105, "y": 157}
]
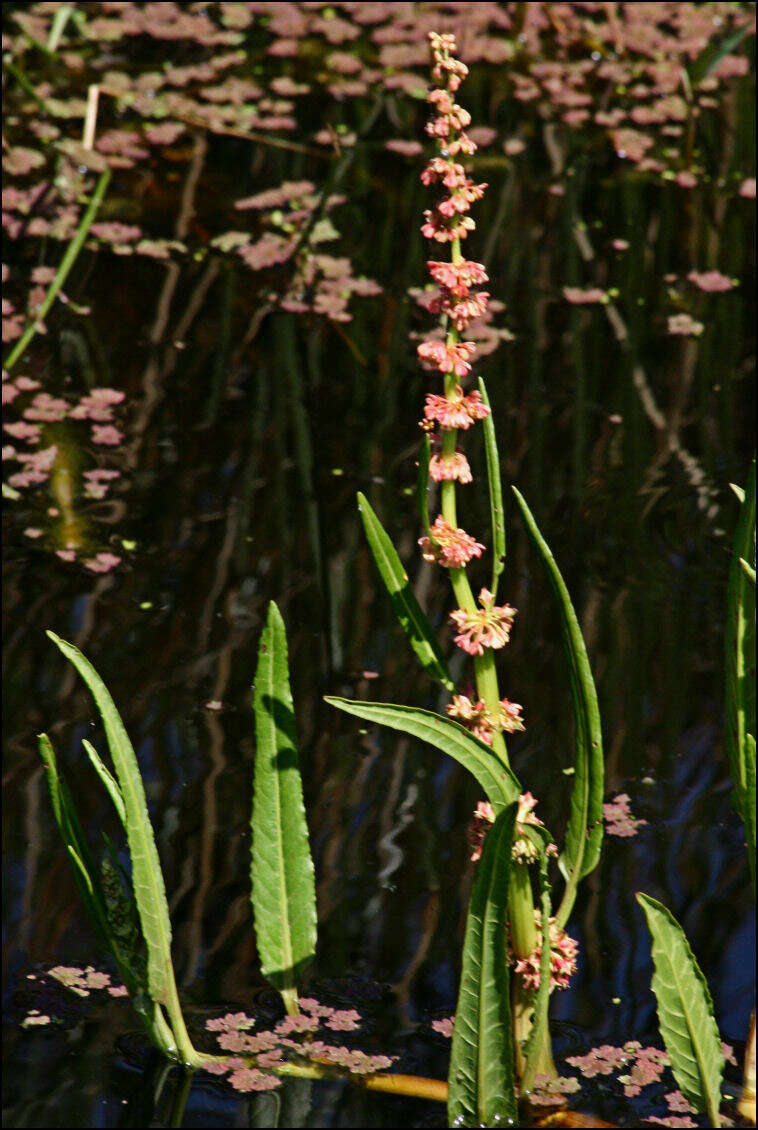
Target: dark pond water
[{"x": 244, "y": 446}]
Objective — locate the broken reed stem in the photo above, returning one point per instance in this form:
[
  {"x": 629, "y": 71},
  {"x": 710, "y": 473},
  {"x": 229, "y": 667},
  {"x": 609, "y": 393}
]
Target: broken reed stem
[{"x": 90, "y": 118}]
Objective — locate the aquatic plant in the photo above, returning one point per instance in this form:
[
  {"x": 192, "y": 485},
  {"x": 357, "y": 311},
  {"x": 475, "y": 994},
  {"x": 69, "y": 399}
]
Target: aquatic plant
[
  {"x": 474, "y": 731},
  {"x": 130, "y": 910}
]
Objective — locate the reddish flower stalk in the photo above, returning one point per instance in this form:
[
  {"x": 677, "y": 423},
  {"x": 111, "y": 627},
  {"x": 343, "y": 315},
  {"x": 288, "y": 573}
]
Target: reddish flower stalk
[{"x": 485, "y": 627}]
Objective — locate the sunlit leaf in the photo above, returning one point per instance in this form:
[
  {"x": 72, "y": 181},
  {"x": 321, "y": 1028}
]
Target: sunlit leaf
[
  {"x": 283, "y": 884},
  {"x": 584, "y": 833},
  {"x": 407, "y": 609},
  {"x": 149, "y": 889},
  {"x": 497, "y": 780},
  {"x": 497, "y": 511},
  {"x": 481, "y": 1077},
  {"x": 108, "y": 780},
  {"x": 685, "y": 1012}
]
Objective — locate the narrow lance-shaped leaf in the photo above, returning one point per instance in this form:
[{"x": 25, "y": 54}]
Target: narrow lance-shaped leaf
[
  {"x": 584, "y": 833},
  {"x": 407, "y": 609},
  {"x": 73, "y": 838},
  {"x": 497, "y": 510},
  {"x": 481, "y": 1078},
  {"x": 685, "y": 1012},
  {"x": 108, "y": 780},
  {"x": 497, "y": 780},
  {"x": 96, "y": 897},
  {"x": 147, "y": 877},
  {"x": 283, "y": 883}
]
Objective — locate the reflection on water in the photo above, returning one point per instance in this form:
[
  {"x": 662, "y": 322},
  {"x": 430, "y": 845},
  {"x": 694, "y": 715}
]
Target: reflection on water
[{"x": 245, "y": 447}]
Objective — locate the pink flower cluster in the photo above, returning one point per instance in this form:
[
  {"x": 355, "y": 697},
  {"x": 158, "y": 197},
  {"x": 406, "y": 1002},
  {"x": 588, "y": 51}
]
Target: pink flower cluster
[
  {"x": 487, "y": 627},
  {"x": 474, "y": 715},
  {"x": 522, "y": 850},
  {"x": 563, "y": 952},
  {"x": 451, "y": 547}
]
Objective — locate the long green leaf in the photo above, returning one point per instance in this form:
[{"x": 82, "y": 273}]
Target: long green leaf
[
  {"x": 407, "y": 609},
  {"x": 481, "y": 1079},
  {"x": 739, "y": 643},
  {"x": 283, "y": 883},
  {"x": 108, "y": 780},
  {"x": 73, "y": 838},
  {"x": 584, "y": 833},
  {"x": 685, "y": 1012},
  {"x": 497, "y": 780},
  {"x": 497, "y": 510},
  {"x": 149, "y": 889},
  {"x": 422, "y": 482}
]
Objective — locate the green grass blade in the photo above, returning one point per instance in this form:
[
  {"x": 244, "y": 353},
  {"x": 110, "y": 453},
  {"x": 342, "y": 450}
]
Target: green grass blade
[
  {"x": 497, "y": 780},
  {"x": 497, "y": 510},
  {"x": 407, "y": 609},
  {"x": 422, "y": 482},
  {"x": 69, "y": 258},
  {"x": 147, "y": 877},
  {"x": 283, "y": 883},
  {"x": 713, "y": 53},
  {"x": 108, "y": 780},
  {"x": 685, "y": 1012},
  {"x": 739, "y": 643},
  {"x": 481, "y": 1078},
  {"x": 748, "y": 807},
  {"x": 584, "y": 834}
]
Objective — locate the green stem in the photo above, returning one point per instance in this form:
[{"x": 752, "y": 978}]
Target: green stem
[
  {"x": 417, "y": 1086},
  {"x": 67, "y": 262}
]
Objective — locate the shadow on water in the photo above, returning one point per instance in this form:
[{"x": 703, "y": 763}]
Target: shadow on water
[{"x": 249, "y": 432}]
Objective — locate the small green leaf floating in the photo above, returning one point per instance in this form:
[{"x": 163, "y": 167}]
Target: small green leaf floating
[
  {"x": 481, "y": 1088},
  {"x": 407, "y": 609},
  {"x": 283, "y": 884},
  {"x": 685, "y": 1012},
  {"x": 498, "y": 782}
]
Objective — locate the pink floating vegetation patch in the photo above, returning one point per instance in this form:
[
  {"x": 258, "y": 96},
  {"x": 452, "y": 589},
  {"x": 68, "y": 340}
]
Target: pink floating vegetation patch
[
  {"x": 102, "y": 562},
  {"x": 684, "y": 326},
  {"x": 713, "y": 282},
  {"x": 589, "y": 297},
  {"x": 618, "y": 818},
  {"x": 251, "y": 1079}
]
